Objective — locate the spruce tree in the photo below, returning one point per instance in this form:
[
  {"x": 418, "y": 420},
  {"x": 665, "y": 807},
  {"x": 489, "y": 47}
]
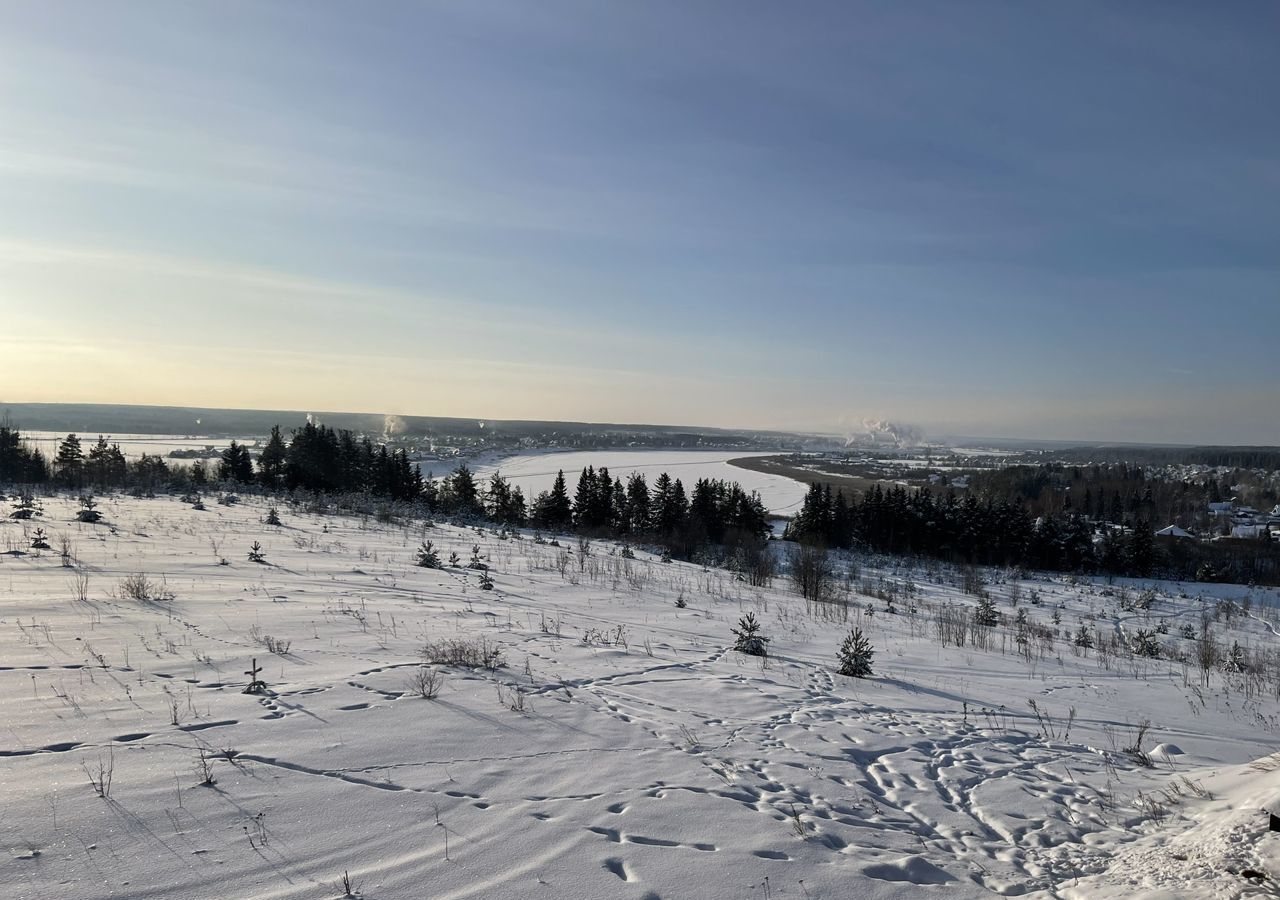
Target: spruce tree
[
  {"x": 69, "y": 463},
  {"x": 557, "y": 512},
  {"x": 428, "y": 556},
  {"x": 748, "y": 639},
  {"x": 986, "y": 613},
  {"x": 18, "y": 463},
  {"x": 498, "y": 498},
  {"x": 236, "y": 464},
  {"x": 463, "y": 490},
  {"x": 271, "y": 461},
  {"x": 637, "y": 504},
  {"x": 855, "y": 655},
  {"x": 585, "y": 503}
]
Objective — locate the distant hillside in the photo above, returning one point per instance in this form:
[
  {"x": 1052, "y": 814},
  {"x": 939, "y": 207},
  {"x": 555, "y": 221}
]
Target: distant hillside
[{"x": 92, "y": 418}]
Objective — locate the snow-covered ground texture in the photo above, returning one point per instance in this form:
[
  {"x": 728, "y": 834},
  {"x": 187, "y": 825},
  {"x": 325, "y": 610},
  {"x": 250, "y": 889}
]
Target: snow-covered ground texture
[{"x": 621, "y": 749}]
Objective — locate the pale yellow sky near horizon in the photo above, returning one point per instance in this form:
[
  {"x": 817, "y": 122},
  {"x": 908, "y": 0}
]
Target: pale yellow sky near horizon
[{"x": 247, "y": 338}]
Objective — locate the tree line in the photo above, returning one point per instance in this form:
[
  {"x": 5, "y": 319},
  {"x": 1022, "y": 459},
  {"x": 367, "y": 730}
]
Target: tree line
[
  {"x": 1006, "y": 531},
  {"x": 1120, "y": 493},
  {"x": 317, "y": 459}
]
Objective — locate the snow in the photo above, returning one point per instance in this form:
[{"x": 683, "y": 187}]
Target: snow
[
  {"x": 648, "y": 760},
  {"x": 1211, "y": 847},
  {"x": 536, "y": 472}
]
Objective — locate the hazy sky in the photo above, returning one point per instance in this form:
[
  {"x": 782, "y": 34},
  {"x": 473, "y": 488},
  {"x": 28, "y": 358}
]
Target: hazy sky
[{"x": 1036, "y": 219}]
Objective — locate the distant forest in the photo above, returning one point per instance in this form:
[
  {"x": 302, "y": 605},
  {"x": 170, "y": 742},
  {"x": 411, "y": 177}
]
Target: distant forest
[
  {"x": 1226, "y": 457},
  {"x": 125, "y": 419},
  {"x": 1019, "y": 518},
  {"x": 1123, "y": 493}
]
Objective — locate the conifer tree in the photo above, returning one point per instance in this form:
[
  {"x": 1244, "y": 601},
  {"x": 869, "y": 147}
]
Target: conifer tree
[
  {"x": 69, "y": 462},
  {"x": 236, "y": 464},
  {"x": 554, "y": 509},
  {"x": 986, "y": 613},
  {"x": 855, "y": 655},
  {"x": 465, "y": 495},
  {"x": 272, "y": 460},
  {"x": 430, "y": 492},
  {"x": 748, "y": 639},
  {"x": 18, "y": 463},
  {"x": 428, "y": 556},
  {"x": 585, "y": 504},
  {"x": 637, "y": 505}
]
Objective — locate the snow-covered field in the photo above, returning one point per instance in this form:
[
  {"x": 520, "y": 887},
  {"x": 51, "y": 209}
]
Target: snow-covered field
[
  {"x": 535, "y": 472},
  {"x": 622, "y": 750}
]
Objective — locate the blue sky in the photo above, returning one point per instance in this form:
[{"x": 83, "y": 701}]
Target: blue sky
[{"x": 1035, "y": 219}]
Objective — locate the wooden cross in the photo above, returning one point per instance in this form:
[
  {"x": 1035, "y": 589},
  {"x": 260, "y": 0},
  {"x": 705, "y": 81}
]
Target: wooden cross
[{"x": 256, "y": 686}]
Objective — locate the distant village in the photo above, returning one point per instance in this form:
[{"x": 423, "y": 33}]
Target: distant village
[{"x": 1237, "y": 522}]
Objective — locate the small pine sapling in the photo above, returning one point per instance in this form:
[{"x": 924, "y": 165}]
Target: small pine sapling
[
  {"x": 855, "y": 655},
  {"x": 88, "y": 510},
  {"x": 428, "y": 556},
  {"x": 748, "y": 639},
  {"x": 256, "y": 554}
]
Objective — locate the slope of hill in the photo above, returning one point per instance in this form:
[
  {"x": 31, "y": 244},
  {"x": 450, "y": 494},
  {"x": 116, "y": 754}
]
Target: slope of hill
[{"x": 593, "y": 733}]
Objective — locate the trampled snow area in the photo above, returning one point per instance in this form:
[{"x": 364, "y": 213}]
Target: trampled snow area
[{"x": 648, "y": 759}]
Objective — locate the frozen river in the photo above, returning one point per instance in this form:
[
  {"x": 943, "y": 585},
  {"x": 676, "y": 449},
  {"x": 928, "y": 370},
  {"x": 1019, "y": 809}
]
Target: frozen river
[{"x": 535, "y": 472}]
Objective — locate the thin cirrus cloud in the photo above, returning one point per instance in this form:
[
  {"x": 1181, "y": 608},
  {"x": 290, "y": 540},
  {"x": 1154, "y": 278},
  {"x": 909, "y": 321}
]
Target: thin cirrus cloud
[{"x": 974, "y": 217}]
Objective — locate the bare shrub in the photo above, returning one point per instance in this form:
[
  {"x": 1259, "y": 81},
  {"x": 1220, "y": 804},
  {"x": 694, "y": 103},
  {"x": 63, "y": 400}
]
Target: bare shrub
[
  {"x": 475, "y": 653},
  {"x": 100, "y": 775},
  {"x": 952, "y": 624},
  {"x": 204, "y": 768},
  {"x": 80, "y": 587},
  {"x": 752, "y": 560},
  {"x": 811, "y": 571},
  {"x": 1135, "y": 746},
  {"x": 278, "y": 646},
  {"x": 426, "y": 682},
  {"x": 348, "y": 887},
  {"x": 141, "y": 588}
]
